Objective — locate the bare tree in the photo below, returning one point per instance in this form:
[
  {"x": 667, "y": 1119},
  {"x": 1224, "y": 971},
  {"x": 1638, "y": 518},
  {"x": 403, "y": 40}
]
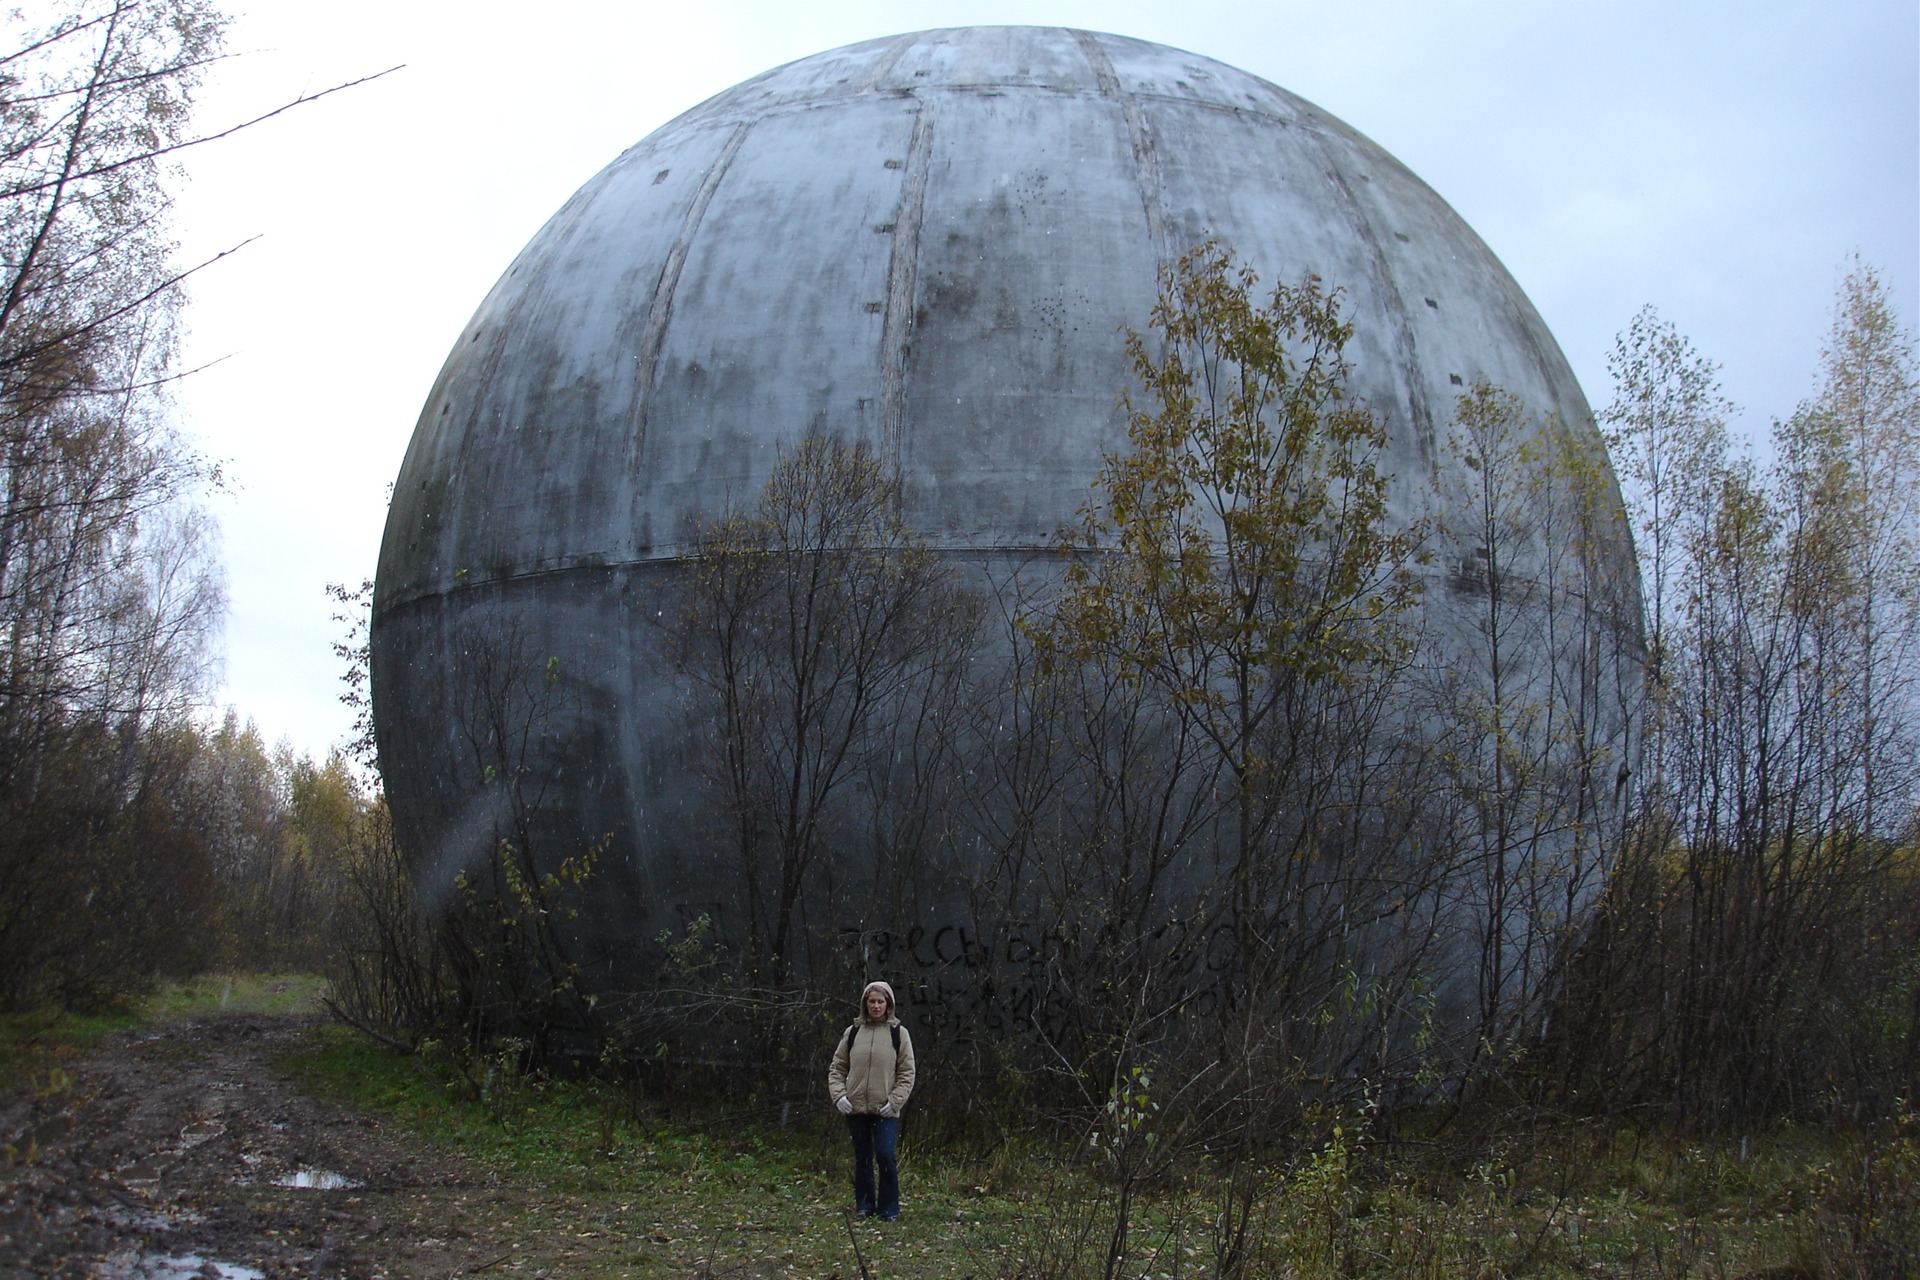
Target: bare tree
[
  {"x": 1226, "y": 652},
  {"x": 1851, "y": 478},
  {"x": 507, "y": 934},
  {"x": 1667, "y": 425},
  {"x": 1537, "y": 744},
  {"x": 1241, "y": 555},
  {"x": 824, "y": 633},
  {"x": 1750, "y": 956},
  {"x": 110, "y": 589},
  {"x": 109, "y": 594}
]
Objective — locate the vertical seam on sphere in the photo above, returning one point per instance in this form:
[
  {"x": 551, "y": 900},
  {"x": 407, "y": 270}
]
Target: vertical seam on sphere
[
  {"x": 902, "y": 271},
  {"x": 1394, "y": 306},
  {"x": 889, "y": 58},
  {"x": 660, "y": 311},
  {"x": 1146, "y": 162}
]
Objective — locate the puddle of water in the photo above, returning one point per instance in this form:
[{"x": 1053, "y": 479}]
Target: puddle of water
[
  {"x": 195, "y": 1134},
  {"x": 190, "y": 1266},
  {"x": 147, "y": 1170},
  {"x": 316, "y": 1180},
  {"x": 150, "y": 1221}
]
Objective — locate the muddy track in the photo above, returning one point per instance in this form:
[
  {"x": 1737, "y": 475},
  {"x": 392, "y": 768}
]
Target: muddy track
[{"x": 180, "y": 1151}]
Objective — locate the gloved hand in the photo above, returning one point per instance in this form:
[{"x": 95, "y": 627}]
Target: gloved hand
[
  {"x": 886, "y": 1110},
  {"x": 845, "y": 1104}
]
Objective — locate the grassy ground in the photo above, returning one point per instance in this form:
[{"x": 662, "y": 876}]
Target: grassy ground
[
  {"x": 594, "y": 1182},
  {"x": 647, "y": 1192},
  {"x": 33, "y": 1045}
]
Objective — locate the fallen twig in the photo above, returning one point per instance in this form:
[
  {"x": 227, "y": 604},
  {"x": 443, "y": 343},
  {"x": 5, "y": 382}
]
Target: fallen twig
[{"x": 859, "y": 1257}]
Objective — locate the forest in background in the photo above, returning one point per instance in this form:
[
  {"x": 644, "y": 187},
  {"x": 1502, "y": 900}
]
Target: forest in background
[{"x": 141, "y": 836}]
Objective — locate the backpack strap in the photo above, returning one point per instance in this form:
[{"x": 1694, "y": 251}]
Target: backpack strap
[{"x": 847, "y": 1044}]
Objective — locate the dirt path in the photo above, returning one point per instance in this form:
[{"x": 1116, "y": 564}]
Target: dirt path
[{"x": 178, "y": 1151}]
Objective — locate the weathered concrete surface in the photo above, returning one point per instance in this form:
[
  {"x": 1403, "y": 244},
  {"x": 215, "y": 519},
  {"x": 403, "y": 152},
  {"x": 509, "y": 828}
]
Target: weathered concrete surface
[{"x": 930, "y": 243}]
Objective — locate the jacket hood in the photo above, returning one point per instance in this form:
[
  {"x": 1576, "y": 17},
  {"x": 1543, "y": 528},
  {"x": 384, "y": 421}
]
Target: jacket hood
[{"x": 884, "y": 990}]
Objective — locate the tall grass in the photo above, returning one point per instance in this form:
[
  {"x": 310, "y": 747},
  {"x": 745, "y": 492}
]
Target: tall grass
[{"x": 747, "y": 1185}]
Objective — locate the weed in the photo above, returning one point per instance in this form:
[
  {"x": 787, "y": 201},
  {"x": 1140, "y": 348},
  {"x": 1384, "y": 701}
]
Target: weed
[{"x": 721, "y": 1190}]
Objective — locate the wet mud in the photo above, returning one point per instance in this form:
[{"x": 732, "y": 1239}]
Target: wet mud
[{"x": 179, "y": 1151}]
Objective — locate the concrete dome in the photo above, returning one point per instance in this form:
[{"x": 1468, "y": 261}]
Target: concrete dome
[{"x": 929, "y": 243}]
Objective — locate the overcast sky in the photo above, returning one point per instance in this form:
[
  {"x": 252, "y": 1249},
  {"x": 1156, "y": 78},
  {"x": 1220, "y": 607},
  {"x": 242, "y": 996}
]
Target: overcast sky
[{"x": 1721, "y": 161}]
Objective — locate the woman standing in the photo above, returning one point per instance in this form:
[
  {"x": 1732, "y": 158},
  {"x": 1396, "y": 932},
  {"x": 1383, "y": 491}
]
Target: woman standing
[{"x": 869, "y": 1082}]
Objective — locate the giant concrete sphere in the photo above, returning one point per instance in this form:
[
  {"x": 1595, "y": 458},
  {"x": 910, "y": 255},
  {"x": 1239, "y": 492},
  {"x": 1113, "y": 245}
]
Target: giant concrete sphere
[{"x": 930, "y": 243}]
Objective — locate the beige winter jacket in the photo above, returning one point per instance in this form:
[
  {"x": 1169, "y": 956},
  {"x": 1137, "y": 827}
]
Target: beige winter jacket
[{"x": 865, "y": 1068}]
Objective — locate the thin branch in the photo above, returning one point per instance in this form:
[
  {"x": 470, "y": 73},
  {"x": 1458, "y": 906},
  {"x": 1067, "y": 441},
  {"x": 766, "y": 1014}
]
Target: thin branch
[{"x": 155, "y": 154}]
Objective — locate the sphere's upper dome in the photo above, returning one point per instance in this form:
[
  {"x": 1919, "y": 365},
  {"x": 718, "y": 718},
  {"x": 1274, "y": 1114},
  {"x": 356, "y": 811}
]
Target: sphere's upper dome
[{"x": 929, "y": 242}]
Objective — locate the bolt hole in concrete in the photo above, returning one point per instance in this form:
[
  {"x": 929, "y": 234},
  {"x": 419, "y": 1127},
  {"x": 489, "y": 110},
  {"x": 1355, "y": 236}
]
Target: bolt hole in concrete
[
  {"x": 316, "y": 1180},
  {"x": 191, "y": 1266}
]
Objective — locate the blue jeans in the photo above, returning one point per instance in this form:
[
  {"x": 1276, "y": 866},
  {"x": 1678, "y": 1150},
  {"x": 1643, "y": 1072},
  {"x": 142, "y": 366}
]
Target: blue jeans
[{"x": 873, "y": 1140}]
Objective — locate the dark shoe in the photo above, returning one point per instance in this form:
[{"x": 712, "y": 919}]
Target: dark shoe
[{"x": 888, "y": 1217}]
